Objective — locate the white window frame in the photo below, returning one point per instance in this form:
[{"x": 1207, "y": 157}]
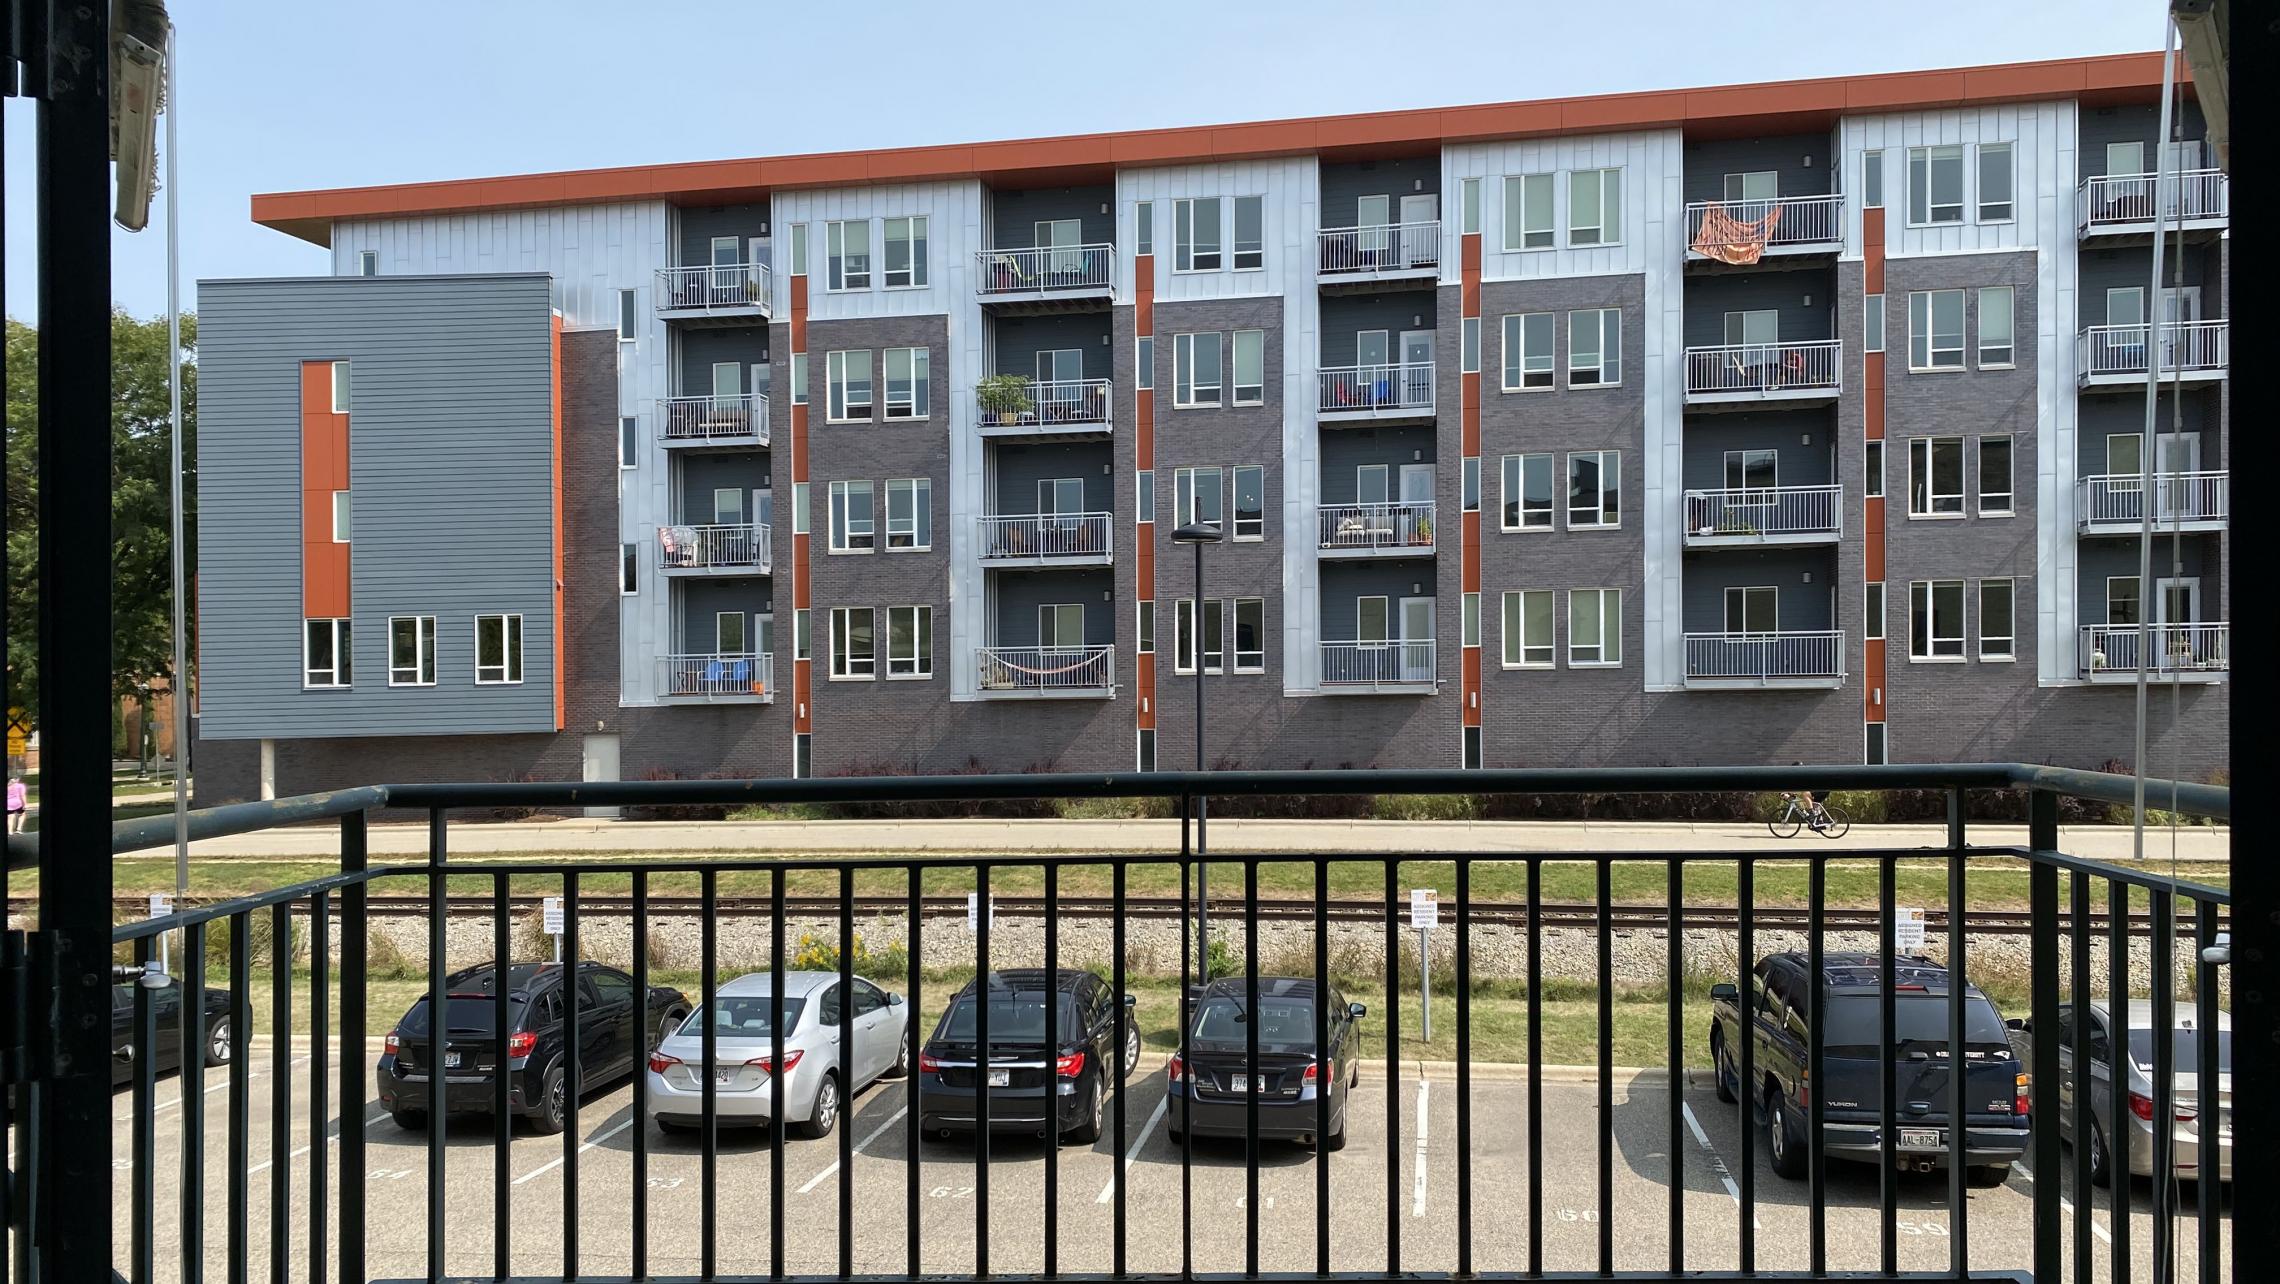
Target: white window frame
[
  {"x": 1144, "y": 228},
  {"x": 1242, "y": 258},
  {"x": 1604, "y": 327},
  {"x": 836, "y": 408},
  {"x": 1610, "y": 490},
  {"x": 1872, "y": 324},
  {"x": 508, "y": 672},
  {"x": 1923, "y": 211},
  {"x": 1872, "y": 611},
  {"x": 1468, "y": 207},
  {"x": 1520, "y": 236},
  {"x": 335, "y": 676},
  {"x": 1144, "y": 501},
  {"x": 340, "y": 385},
  {"x": 1997, "y": 301},
  {"x": 1188, "y": 255},
  {"x": 915, "y": 528},
  {"x": 1249, "y": 530},
  {"x": 1872, "y": 179},
  {"x": 918, "y": 372},
  {"x": 421, "y": 671},
  {"x": 843, "y": 522},
  {"x": 1186, "y": 493},
  {"x": 1745, "y": 594},
  {"x": 916, "y": 246},
  {"x": 1253, "y": 661},
  {"x": 2005, "y": 210},
  {"x": 1923, "y": 501},
  {"x": 846, "y": 666},
  {"x": 629, "y": 569},
  {"x": 1922, "y": 604},
  {"x": 629, "y": 441},
  {"x": 1929, "y": 348},
  {"x": 1468, "y": 345},
  {"x": 367, "y": 263},
  {"x": 629, "y": 315},
  {"x": 2008, "y": 495},
  {"x": 2006, "y": 648},
  {"x": 1537, "y": 370},
  {"x": 1531, "y": 652},
  {"x": 1872, "y": 469},
  {"x": 1253, "y": 393},
  {"x": 838, "y": 277},
  {"x": 343, "y": 517},
  {"x": 918, "y": 664},
  {"x": 799, "y": 254},
  {"x": 1512, "y": 511},
  {"x": 1609, "y": 229},
  {"x": 1607, "y": 604},
  {"x": 1187, "y": 638},
  {"x": 1185, "y": 388},
  {"x": 1144, "y": 363}
]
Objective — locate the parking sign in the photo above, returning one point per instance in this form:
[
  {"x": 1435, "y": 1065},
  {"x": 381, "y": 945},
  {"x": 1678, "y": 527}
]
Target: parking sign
[{"x": 1424, "y": 908}]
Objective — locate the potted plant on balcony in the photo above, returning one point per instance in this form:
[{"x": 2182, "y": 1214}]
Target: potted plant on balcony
[{"x": 1006, "y": 396}]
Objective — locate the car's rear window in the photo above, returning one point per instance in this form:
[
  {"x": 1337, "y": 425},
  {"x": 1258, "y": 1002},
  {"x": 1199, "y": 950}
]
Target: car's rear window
[
  {"x": 744, "y": 1016},
  {"x": 2187, "y": 1046},
  {"x": 461, "y": 1016},
  {"x": 1016, "y": 1016},
  {"x": 1284, "y": 1024},
  {"x": 1920, "y": 1022}
]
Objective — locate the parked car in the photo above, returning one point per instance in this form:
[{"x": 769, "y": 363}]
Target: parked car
[
  {"x": 166, "y": 1005},
  {"x": 1208, "y": 1090},
  {"x": 744, "y": 1046},
  {"x": 2185, "y": 1108},
  {"x": 616, "y": 1027},
  {"x": 1780, "y": 1020},
  {"x": 1059, "y": 1091}
]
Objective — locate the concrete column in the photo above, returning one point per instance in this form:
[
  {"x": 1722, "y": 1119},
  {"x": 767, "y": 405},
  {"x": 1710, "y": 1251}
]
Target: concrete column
[{"x": 268, "y": 770}]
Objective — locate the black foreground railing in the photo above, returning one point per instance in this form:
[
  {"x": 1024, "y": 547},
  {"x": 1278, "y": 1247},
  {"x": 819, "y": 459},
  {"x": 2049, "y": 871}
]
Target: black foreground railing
[{"x": 2046, "y": 1247}]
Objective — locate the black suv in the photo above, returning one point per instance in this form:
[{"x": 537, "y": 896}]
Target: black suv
[
  {"x": 1210, "y": 1091},
  {"x": 616, "y": 1029},
  {"x": 1781, "y": 1013},
  {"x": 1060, "y": 1091}
]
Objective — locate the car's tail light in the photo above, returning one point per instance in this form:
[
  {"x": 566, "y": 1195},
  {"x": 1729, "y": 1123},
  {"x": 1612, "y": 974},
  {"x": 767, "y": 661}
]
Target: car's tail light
[
  {"x": 1175, "y": 1069},
  {"x": 2142, "y": 1106},
  {"x": 522, "y": 1043},
  {"x": 2019, "y": 1095},
  {"x": 765, "y": 1064},
  {"x": 1070, "y": 1066},
  {"x": 391, "y": 1045},
  {"x": 1313, "y": 1072},
  {"x": 929, "y": 1063},
  {"x": 1804, "y": 1089},
  {"x": 659, "y": 1063}
]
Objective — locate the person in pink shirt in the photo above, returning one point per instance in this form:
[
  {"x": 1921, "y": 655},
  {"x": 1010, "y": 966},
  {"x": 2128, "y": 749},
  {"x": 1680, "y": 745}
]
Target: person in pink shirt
[{"x": 19, "y": 798}]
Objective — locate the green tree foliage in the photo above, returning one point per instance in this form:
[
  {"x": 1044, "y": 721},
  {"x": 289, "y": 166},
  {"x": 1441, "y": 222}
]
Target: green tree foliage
[{"x": 142, "y": 649}]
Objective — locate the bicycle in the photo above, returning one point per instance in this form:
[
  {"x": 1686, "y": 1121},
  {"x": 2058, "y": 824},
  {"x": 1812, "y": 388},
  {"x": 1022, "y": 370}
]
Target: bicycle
[{"x": 1794, "y": 817}]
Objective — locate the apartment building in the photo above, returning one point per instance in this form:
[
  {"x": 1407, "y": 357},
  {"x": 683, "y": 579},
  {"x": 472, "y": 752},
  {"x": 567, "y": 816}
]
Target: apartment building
[{"x": 1788, "y": 422}]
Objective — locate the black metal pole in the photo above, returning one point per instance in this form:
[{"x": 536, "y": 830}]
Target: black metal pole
[{"x": 1202, "y": 807}]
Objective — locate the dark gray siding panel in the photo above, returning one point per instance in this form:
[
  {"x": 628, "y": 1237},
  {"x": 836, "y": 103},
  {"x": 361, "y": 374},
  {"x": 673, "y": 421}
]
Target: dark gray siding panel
[
  {"x": 700, "y": 224},
  {"x": 745, "y": 345},
  {"x": 1015, "y": 214},
  {"x": 1018, "y": 340},
  {"x": 2103, "y": 125},
  {"x": 2105, "y": 415},
  {"x": 1804, "y": 299},
  {"x": 1805, "y": 438},
  {"x": 1018, "y": 594},
  {"x": 702, "y": 602},
  {"x": 2132, "y": 267},
  {"x": 1801, "y": 578},
  {"x": 1345, "y": 582},
  {"x": 705, "y": 471},
  {"x": 1020, "y": 468},
  {"x": 1343, "y": 317},
  {"x": 1343, "y": 185},
  {"x": 1346, "y": 449},
  {"x": 1802, "y": 160}
]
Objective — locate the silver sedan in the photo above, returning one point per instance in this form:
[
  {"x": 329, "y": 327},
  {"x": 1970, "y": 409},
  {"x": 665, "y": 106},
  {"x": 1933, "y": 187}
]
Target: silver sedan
[
  {"x": 743, "y": 1043},
  {"x": 2192, "y": 1122}
]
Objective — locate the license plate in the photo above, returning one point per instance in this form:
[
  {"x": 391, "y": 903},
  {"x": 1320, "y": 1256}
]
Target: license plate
[
  {"x": 1920, "y": 1138},
  {"x": 1001, "y": 1078},
  {"x": 723, "y": 1076},
  {"x": 1238, "y": 1083},
  {"x": 451, "y": 1061}
]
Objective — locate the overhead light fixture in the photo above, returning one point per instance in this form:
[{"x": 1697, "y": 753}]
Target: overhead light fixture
[{"x": 138, "y": 95}]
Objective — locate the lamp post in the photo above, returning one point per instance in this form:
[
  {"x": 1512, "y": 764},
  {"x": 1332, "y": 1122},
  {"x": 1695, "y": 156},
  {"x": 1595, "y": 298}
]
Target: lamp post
[{"x": 1198, "y": 534}]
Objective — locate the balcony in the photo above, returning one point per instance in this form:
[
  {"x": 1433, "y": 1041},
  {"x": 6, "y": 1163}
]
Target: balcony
[
  {"x": 721, "y": 423},
  {"x": 1399, "y": 392},
  {"x": 1377, "y": 530},
  {"x": 2189, "y": 352},
  {"x": 1759, "y": 661},
  {"x": 1051, "y": 539},
  {"x": 1753, "y": 374},
  {"x": 1379, "y": 255},
  {"x": 731, "y": 294},
  {"x": 2111, "y": 504},
  {"x": 2180, "y": 652},
  {"x": 717, "y": 679},
  {"x": 1746, "y": 233},
  {"x": 1764, "y": 516},
  {"x": 1399, "y": 666},
  {"x": 1055, "y": 409},
  {"x": 1058, "y": 278},
  {"x": 722, "y": 550},
  {"x": 1046, "y": 672},
  {"x": 2122, "y": 206}
]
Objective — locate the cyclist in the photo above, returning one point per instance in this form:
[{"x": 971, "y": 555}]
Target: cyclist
[{"x": 1816, "y": 817}]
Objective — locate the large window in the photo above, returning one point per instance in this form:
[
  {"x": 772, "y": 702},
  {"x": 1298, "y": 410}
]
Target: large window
[
  {"x": 1196, "y": 496},
  {"x": 1995, "y": 183},
  {"x": 1250, "y": 251},
  {"x": 1753, "y": 609},
  {"x": 1998, "y": 629},
  {"x": 1528, "y": 629},
  {"x": 1528, "y": 350},
  {"x": 498, "y": 649},
  {"x": 852, "y": 654},
  {"x": 1595, "y": 207},
  {"x": 849, "y": 378},
  {"x": 1528, "y": 212},
  {"x": 1195, "y": 235},
  {"x": 1595, "y": 348},
  {"x": 1595, "y": 627},
  {"x": 1995, "y": 476},
  {"x": 1144, "y": 228},
  {"x": 1183, "y": 620},
  {"x": 1527, "y": 495},
  {"x": 1468, "y": 345},
  {"x": 853, "y": 528},
  {"x": 910, "y": 641},
  {"x": 325, "y": 654},
  {"x": 904, "y": 267},
  {"x": 1995, "y": 327},
  {"x": 411, "y": 651},
  {"x": 1595, "y": 484},
  {"x": 1872, "y": 180},
  {"x": 1935, "y": 620},
  {"x": 1935, "y": 330},
  {"x": 1935, "y": 184},
  {"x": 1250, "y": 367},
  {"x": 1250, "y": 635},
  {"x": 1468, "y": 206},
  {"x": 1195, "y": 369},
  {"x": 910, "y": 513},
  {"x": 1250, "y": 502},
  {"x": 909, "y": 386},
  {"x": 1872, "y": 324},
  {"x": 847, "y": 255},
  {"x": 1935, "y": 477},
  {"x": 1144, "y": 363}
]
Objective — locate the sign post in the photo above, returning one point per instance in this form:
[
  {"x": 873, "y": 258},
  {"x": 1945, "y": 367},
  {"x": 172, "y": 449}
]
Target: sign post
[
  {"x": 1425, "y": 915},
  {"x": 552, "y": 913},
  {"x": 161, "y": 905},
  {"x": 974, "y": 911}
]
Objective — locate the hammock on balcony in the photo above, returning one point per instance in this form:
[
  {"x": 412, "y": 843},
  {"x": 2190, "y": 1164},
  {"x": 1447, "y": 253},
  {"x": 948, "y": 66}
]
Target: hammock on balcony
[
  {"x": 1029, "y": 671},
  {"x": 1733, "y": 240}
]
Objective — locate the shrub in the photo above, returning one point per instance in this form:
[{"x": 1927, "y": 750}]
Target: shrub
[
  {"x": 1860, "y": 806},
  {"x": 516, "y": 811},
  {"x": 260, "y": 935},
  {"x": 1113, "y": 808},
  {"x": 815, "y": 952},
  {"x": 383, "y": 960},
  {"x": 679, "y": 811},
  {"x": 1425, "y": 807}
]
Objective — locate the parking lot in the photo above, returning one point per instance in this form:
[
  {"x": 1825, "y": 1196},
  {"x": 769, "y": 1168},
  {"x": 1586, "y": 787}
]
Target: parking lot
[{"x": 1423, "y": 1157}]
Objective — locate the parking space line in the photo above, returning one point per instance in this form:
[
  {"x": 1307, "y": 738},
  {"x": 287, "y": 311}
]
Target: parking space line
[
  {"x": 1417, "y": 1200},
  {"x": 556, "y": 1162},
  {"x": 305, "y": 1149},
  {"x": 252, "y": 1072},
  {"x": 1717, "y": 1161},
  {"x": 2065, "y": 1205},
  {"x": 868, "y": 1138},
  {"x": 1156, "y": 1116}
]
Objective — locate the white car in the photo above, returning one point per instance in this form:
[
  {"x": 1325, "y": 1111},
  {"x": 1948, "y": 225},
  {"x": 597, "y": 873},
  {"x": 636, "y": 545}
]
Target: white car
[{"x": 814, "y": 1093}]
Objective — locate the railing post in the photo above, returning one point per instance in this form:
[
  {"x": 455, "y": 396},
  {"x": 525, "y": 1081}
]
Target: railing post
[{"x": 2042, "y": 837}]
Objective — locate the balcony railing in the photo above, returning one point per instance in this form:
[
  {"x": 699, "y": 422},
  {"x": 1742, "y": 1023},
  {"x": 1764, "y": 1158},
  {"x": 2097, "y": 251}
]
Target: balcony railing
[
  {"x": 738, "y": 289},
  {"x": 1764, "y": 514},
  {"x": 1740, "y": 231},
  {"x": 1046, "y": 270},
  {"x": 2117, "y": 500},
  {"x": 1766, "y": 658},
  {"x": 2114, "y": 353},
  {"x": 2120, "y": 650},
  {"x": 1046, "y": 670},
  {"x": 713, "y": 547},
  {"x": 1397, "y": 388},
  {"x": 1404, "y": 527},
  {"x": 2114, "y": 202},
  {"x": 1746, "y": 371},
  {"x": 1054, "y": 405},
  {"x": 740, "y": 676},
  {"x": 1380, "y": 248},
  {"x": 1046, "y": 537},
  {"x": 696, "y": 420},
  {"x": 1400, "y": 665}
]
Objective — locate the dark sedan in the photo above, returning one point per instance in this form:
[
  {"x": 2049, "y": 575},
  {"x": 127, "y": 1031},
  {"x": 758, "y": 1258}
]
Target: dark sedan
[
  {"x": 166, "y": 1005},
  {"x": 617, "y": 1026},
  {"x": 1059, "y": 1092},
  {"x": 1210, "y": 1089}
]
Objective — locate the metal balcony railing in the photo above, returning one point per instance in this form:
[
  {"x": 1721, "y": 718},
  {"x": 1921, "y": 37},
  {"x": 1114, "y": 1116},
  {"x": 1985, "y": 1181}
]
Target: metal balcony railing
[
  {"x": 1716, "y": 227},
  {"x": 1383, "y": 247},
  {"x": 1765, "y": 512},
  {"x": 1056, "y": 269},
  {"x": 1044, "y": 537},
  {"x": 1763, "y": 368},
  {"x": 1765, "y": 657},
  {"x": 2113, "y": 201},
  {"x": 738, "y": 288},
  {"x": 1046, "y": 668},
  {"x": 1402, "y": 386},
  {"x": 2160, "y": 648},
  {"x": 2118, "y": 499},
  {"x": 1053, "y": 405},
  {"x": 739, "y": 676},
  {"x": 689, "y": 420},
  {"x": 1406, "y": 525},
  {"x": 670, "y": 931},
  {"x": 2181, "y": 347},
  {"x": 1397, "y": 664},
  {"x": 713, "y": 547}
]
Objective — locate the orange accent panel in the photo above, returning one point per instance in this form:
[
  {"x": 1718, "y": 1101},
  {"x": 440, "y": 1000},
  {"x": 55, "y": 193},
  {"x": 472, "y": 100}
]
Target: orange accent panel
[
  {"x": 1872, "y": 666},
  {"x": 561, "y": 647},
  {"x": 803, "y": 680},
  {"x": 1469, "y": 389},
  {"x": 1144, "y": 682},
  {"x": 1468, "y": 259},
  {"x": 1470, "y": 573},
  {"x": 1471, "y": 684},
  {"x": 1872, "y": 249},
  {"x": 324, "y": 469},
  {"x": 1872, "y": 550},
  {"x": 799, "y": 313},
  {"x": 1144, "y": 559},
  {"x": 1144, "y": 428},
  {"x": 1872, "y": 397}
]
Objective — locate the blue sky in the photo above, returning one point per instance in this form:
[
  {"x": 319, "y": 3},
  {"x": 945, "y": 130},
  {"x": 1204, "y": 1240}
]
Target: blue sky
[{"x": 279, "y": 96}]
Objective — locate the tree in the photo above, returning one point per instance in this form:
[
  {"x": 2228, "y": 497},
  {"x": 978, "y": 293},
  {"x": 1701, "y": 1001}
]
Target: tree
[{"x": 142, "y": 647}]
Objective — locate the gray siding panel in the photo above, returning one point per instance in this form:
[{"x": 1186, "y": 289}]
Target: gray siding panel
[
  {"x": 1805, "y": 438},
  {"x": 700, "y": 348},
  {"x": 1346, "y": 449},
  {"x": 1805, "y": 300},
  {"x": 1343, "y": 185},
  {"x": 1018, "y": 340},
  {"x": 1016, "y": 595},
  {"x": 700, "y": 224},
  {"x": 1801, "y": 577},
  {"x": 1343, "y": 317},
  {"x": 1015, "y": 213},
  {"x": 2141, "y": 124},
  {"x": 1802, "y": 161},
  {"x": 1020, "y": 467}
]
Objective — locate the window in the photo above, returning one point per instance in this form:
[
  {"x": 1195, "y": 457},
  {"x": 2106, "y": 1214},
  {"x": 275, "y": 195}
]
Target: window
[
  {"x": 1527, "y": 492},
  {"x": 1147, "y": 760},
  {"x": 367, "y": 263},
  {"x": 325, "y": 654},
  {"x": 1183, "y": 613},
  {"x": 1595, "y": 488},
  {"x": 1872, "y": 469},
  {"x": 1527, "y": 351},
  {"x": 1995, "y": 327},
  {"x": 629, "y": 564},
  {"x": 800, "y": 639},
  {"x": 1751, "y": 185},
  {"x": 848, "y": 375},
  {"x": 1756, "y": 609},
  {"x": 847, "y": 255},
  {"x": 1470, "y": 635},
  {"x": 1372, "y": 619},
  {"x": 910, "y": 641},
  {"x": 1195, "y": 369},
  {"x": 1146, "y": 496},
  {"x": 799, "y": 249},
  {"x": 910, "y": 513},
  {"x": 799, "y": 508},
  {"x": 1935, "y": 477},
  {"x": 1595, "y": 348},
  {"x": 852, "y": 654},
  {"x": 1872, "y": 750},
  {"x": 1872, "y": 180},
  {"x": 1935, "y": 184},
  {"x": 1935, "y": 620},
  {"x": 498, "y": 649},
  {"x": 340, "y": 385},
  {"x": 1250, "y": 502},
  {"x": 1468, "y": 347},
  {"x": 908, "y": 387},
  {"x": 1250, "y": 367},
  {"x": 1469, "y": 499},
  {"x": 851, "y": 517},
  {"x": 1872, "y": 610},
  {"x": 799, "y": 379},
  {"x": 1146, "y": 643},
  {"x": 1144, "y": 363},
  {"x": 1468, "y": 206},
  {"x": 1935, "y": 330},
  {"x": 1995, "y": 476},
  {"x": 1144, "y": 227},
  {"x": 1195, "y": 235},
  {"x": 904, "y": 262},
  {"x": 1528, "y": 212},
  {"x": 1997, "y": 630},
  {"x": 2123, "y": 600},
  {"x": 1195, "y": 496},
  {"x": 1250, "y": 635},
  {"x": 1994, "y": 182},
  {"x": 1250, "y": 234},
  {"x": 629, "y": 441},
  {"x": 1595, "y": 626},
  {"x": 340, "y": 517},
  {"x": 629, "y": 317},
  {"x": 728, "y": 633},
  {"x": 1872, "y": 324},
  {"x": 1595, "y": 207}
]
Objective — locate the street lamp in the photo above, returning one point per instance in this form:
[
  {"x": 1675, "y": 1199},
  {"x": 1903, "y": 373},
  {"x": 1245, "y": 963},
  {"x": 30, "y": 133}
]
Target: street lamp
[{"x": 1198, "y": 534}]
